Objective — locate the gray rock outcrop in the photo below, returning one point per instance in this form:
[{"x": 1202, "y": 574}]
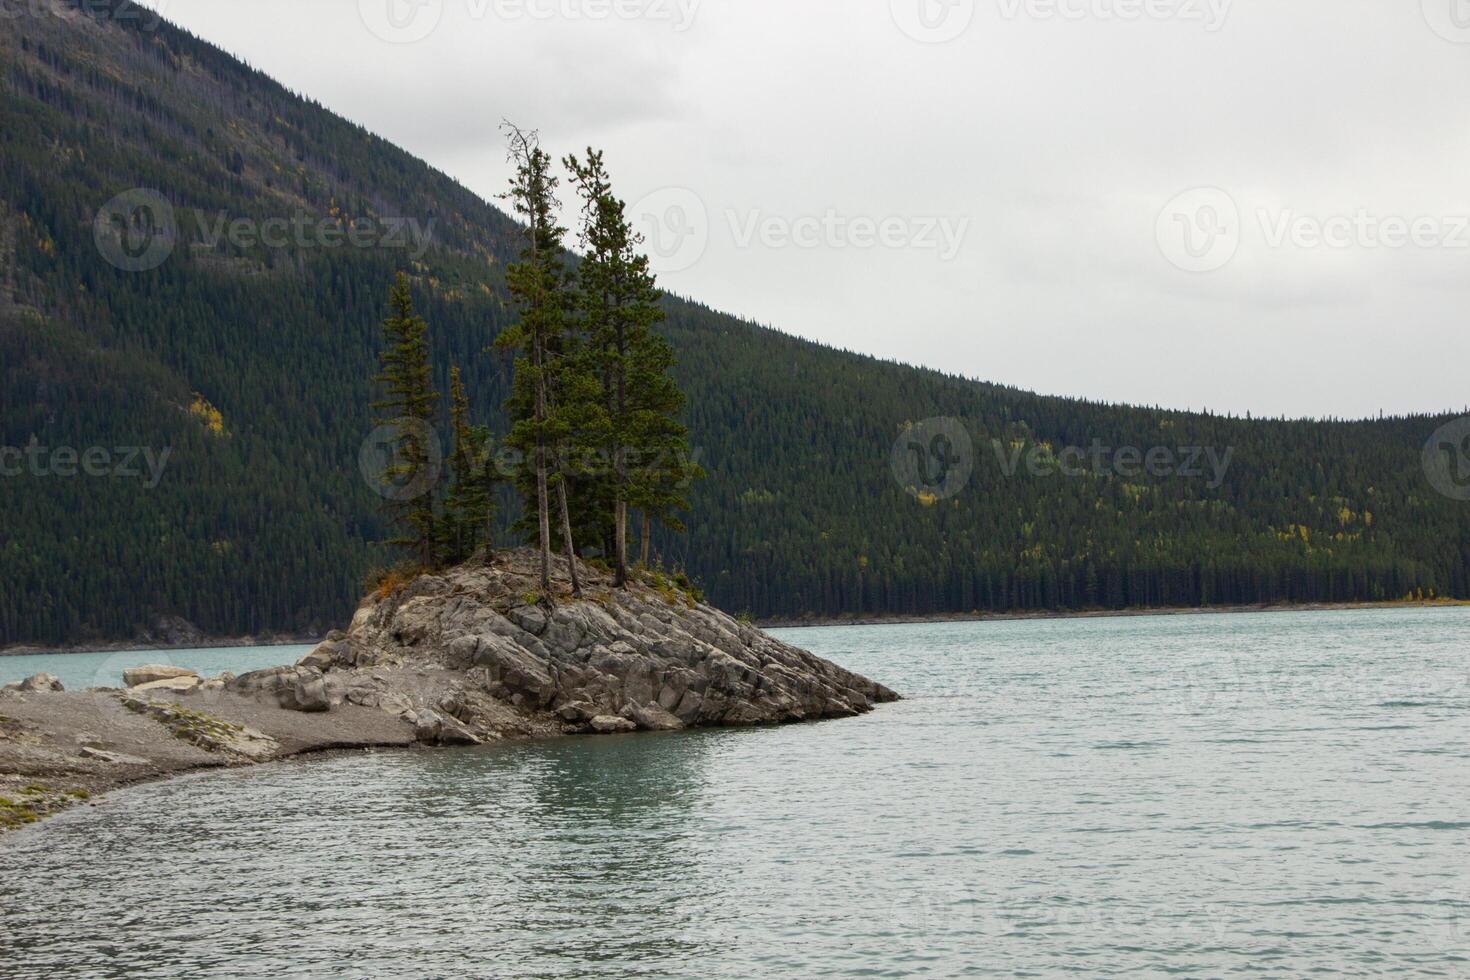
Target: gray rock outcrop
[
  {"x": 473, "y": 653},
  {"x": 292, "y": 688}
]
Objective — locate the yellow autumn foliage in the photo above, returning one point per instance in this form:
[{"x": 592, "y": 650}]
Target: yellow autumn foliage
[{"x": 211, "y": 417}]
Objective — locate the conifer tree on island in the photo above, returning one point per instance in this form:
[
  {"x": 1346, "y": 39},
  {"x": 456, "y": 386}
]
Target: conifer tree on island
[
  {"x": 408, "y": 408},
  {"x": 537, "y": 283},
  {"x": 618, "y": 301}
]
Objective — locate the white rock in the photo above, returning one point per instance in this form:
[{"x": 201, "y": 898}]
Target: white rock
[
  {"x": 178, "y": 685},
  {"x": 138, "y": 676}
]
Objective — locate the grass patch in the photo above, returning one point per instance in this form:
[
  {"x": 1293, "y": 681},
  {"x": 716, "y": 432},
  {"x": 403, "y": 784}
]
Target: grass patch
[
  {"x": 37, "y": 800},
  {"x": 676, "y": 588},
  {"x": 15, "y": 814}
]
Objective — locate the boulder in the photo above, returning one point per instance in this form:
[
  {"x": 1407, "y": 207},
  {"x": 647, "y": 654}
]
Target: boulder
[
  {"x": 178, "y": 685},
  {"x": 609, "y": 724},
  {"x": 138, "y": 676},
  {"x": 292, "y": 688},
  {"x": 215, "y": 684},
  {"x": 433, "y": 728},
  {"x": 40, "y": 684},
  {"x": 653, "y": 718}
]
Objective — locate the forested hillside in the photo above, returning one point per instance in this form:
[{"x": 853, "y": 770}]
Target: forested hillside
[{"x": 246, "y": 368}]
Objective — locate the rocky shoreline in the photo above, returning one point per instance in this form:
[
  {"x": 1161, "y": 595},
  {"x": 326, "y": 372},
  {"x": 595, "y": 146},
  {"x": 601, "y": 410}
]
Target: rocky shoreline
[{"x": 467, "y": 656}]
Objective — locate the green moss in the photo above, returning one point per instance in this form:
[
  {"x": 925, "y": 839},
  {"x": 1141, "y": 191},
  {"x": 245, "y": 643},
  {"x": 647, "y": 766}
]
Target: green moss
[
  {"x": 195, "y": 727},
  {"x": 676, "y": 589}
]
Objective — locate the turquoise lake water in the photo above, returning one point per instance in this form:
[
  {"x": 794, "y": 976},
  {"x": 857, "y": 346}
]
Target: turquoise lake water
[
  {"x": 78, "y": 670},
  {"x": 1201, "y": 796}
]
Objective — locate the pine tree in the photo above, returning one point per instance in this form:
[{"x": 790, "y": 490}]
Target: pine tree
[
  {"x": 538, "y": 284},
  {"x": 618, "y": 300},
  {"x": 469, "y": 508},
  {"x": 408, "y": 408}
]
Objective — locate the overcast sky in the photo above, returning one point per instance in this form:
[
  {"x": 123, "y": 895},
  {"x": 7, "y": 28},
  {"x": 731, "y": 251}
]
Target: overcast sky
[{"x": 1250, "y": 206}]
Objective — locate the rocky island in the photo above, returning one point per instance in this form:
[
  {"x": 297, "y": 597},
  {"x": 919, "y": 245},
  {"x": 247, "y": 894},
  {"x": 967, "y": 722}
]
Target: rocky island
[{"x": 464, "y": 656}]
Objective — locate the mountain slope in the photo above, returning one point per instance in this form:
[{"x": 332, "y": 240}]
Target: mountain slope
[{"x": 260, "y": 519}]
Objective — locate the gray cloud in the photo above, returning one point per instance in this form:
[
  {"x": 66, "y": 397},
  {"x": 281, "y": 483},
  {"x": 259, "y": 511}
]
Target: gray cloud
[{"x": 1058, "y": 130}]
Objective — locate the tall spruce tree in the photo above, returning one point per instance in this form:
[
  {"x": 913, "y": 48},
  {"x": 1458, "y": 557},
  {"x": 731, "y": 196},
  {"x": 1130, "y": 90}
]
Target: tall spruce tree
[
  {"x": 407, "y": 407},
  {"x": 618, "y": 301},
  {"x": 538, "y": 284}
]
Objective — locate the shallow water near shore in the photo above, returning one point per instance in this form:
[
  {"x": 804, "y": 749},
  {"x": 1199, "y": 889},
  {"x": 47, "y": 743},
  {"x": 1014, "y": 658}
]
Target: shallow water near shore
[
  {"x": 1199, "y": 795},
  {"x": 79, "y": 670}
]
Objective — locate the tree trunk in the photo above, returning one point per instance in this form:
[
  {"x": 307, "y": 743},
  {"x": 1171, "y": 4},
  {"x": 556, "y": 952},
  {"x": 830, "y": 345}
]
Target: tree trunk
[
  {"x": 566, "y": 531},
  {"x": 621, "y": 544},
  {"x": 647, "y": 533},
  {"x": 543, "y": 509},
  {"x": 620, "y": 457}
]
